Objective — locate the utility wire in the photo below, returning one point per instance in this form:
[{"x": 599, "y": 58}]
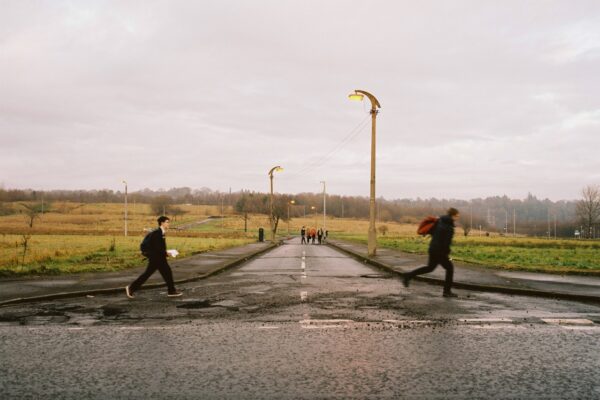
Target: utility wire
[{"x": 346, "y": 140}]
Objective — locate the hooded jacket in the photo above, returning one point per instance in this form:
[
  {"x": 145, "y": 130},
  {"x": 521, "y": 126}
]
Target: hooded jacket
[{"x": 441, "y": 237}]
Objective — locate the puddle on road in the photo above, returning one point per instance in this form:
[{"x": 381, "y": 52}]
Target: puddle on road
[
  {"x": 196, "y": 304},
  {"x": 376, "y": 276}
]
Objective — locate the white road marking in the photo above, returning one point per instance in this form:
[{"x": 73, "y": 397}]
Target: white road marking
[
  {"x": 568, "y": 321},
  {"x": 485, "y": 320},
  {"x": 268, "y": 327},
  {"x": 303, "y": 265},
  {"x": 140, "y": 328},
  {"x": 408, "y": 321},
  {"x": 325, "y": 323},
  {"x": 303, "y": 296}
]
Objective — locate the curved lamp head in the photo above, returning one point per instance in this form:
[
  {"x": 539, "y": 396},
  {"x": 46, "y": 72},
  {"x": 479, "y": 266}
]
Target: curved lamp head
[
  {"x": 292, "y": 201},
  {"x": 360, "y": 94},
  {"x": 356, "y": 96},
  {"x": 275, "y": 169}
]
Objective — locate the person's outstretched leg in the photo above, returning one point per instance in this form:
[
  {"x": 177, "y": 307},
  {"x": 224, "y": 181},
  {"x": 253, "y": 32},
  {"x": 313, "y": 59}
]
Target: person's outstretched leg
[
  {"x": 142, "y": 278},
  {"x": 431, "y": 265}
]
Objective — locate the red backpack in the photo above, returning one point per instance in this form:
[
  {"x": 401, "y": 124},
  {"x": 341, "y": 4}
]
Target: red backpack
[{"x": 426, "y": 226}]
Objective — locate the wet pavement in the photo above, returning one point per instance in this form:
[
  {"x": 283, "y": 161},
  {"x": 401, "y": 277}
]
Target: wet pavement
[
  {"x": 190, "y": 268},
  {"x": 468, "y": 274},
  {"x": 301, "y": 322}
]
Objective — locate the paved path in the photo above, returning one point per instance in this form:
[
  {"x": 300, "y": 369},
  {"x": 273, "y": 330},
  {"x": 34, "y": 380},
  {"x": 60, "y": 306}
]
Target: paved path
[
  {"x": 203, "y": 265},
  {"x": 550, "y": 284},
  {"x": 194, "y": 267},
  {"x": 301, "y": 322}
]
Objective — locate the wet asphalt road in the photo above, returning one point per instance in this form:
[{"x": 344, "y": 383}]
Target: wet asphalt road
[{"x": 301, "y": 322}]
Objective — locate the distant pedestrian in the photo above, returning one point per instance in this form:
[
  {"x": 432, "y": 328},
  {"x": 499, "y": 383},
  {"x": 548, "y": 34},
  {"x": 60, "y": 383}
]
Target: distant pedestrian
[
  {"x": 325, "y": 236},
  {"x": 157, "y": 259},
  {"x": 320, "y": 235},
  {"x": 313, "y": 234},
  {"x": 439, "y": 251},
  {"x": 303, "y": 234}
]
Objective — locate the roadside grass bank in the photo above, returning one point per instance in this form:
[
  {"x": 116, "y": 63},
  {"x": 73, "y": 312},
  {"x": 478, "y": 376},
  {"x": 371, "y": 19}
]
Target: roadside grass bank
[
  {"x": 63, "y": 254},
  {"x": 579, "y": 257}
]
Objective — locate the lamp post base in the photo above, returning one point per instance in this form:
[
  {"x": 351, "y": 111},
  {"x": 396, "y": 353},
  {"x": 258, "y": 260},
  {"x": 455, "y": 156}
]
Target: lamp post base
[{"x": 372, "y": 243}]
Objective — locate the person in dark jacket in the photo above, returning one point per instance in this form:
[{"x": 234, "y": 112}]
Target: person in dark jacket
[
  {"x": 303, "y": 234},
  {"x": 157, "y": 259},
  {"x": 439, "y": 251}
]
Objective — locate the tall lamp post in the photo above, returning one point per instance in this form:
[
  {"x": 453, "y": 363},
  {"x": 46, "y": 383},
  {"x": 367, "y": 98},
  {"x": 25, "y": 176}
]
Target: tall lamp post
[
  {"x": 324, "y": 204},
  {"x": 289, "y": 204},
  {"x": 271, "y": 217},
  {"x": 375, "y": 106},
  {"x": 125, "y": 182}
]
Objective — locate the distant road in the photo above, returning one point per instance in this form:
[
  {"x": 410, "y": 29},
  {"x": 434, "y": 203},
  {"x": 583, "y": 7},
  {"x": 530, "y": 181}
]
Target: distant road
[{"x": 192, "y": 224}]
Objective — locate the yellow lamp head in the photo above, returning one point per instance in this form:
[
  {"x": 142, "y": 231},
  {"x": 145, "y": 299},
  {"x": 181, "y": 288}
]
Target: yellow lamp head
[{"x": 356, "y": 96}]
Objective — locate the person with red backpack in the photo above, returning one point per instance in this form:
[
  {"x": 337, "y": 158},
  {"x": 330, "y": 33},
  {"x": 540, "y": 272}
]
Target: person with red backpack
[{"x": 442, "y": 232}]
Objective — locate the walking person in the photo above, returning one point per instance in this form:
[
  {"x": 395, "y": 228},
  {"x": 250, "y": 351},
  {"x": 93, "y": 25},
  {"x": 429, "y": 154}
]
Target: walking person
[
  {"x": 156, "y": 251},
  {"x": 320, "y": 235},
  {"x": 439, "y": 251},
  {"x": 313, "y": 234},
  {"x": 303, "y": 234}
]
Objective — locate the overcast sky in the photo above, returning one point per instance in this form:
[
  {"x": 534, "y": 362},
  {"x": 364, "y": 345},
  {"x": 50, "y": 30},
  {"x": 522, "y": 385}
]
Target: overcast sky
[{"x": 479, "y": 98}]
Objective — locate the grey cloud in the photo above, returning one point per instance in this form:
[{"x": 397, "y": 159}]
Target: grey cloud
[{"x": 501, "y": 97}]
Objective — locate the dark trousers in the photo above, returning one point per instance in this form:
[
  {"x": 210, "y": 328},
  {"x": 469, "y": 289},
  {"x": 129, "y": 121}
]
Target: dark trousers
[
  {"x": 164, "y": 269},
  {"x": 303, "y": 239},
  {"x": 432, "y": 263}
]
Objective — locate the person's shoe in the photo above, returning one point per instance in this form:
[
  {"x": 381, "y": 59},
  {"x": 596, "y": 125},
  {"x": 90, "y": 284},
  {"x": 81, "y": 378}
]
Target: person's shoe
[
  {"x": 174, "y": 294},
  {"x": 450, "y": 294},
  {"x": 129, "y": 293},
  {"x": 406, "y": 280}
]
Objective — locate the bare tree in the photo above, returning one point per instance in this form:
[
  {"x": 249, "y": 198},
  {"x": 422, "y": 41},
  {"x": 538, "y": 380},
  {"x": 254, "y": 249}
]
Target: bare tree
[
  {"x": 383, "y": 229},
  {"x": 588, "y": 208},
  {"x": 32, "y": 212},
  {"x": 25, "y": 244},
  {"x": 466, "y": 229}
]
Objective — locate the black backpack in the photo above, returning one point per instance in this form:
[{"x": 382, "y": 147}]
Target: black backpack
[{"x": 146, "y": 245}]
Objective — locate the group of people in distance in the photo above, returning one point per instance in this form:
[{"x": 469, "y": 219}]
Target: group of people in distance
[{"x": 309, "y": 234}]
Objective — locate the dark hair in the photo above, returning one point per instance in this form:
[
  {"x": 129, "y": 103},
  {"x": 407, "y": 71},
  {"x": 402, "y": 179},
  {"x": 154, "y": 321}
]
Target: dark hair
[
  {"x": 162, "y": 219},
  {"x": 452, "y": 211}
]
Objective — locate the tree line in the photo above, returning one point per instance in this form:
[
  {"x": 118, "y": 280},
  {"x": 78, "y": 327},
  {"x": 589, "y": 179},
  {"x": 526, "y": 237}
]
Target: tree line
[{"x": 533, "y": 216}]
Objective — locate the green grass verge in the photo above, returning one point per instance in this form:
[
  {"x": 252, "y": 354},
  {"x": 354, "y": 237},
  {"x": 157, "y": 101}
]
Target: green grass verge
[{"x": 522, "y": 254}]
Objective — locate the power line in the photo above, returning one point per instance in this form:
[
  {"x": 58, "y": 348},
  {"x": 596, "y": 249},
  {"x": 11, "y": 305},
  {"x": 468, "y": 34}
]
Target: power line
[{"x": 346, "y": 140}]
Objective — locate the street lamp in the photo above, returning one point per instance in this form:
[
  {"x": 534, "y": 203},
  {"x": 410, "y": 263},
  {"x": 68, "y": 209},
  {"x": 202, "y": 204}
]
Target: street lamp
[
  {"x": 289, "y": 204},
  {"x": 359, "y": 95},
  {"x": 271, "y": 217},
  {"x": 324, "y": 205},
  {"x": 125, "y": 182}
]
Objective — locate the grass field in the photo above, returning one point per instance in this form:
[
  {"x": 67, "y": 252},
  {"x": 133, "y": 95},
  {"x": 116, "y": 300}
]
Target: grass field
[
  {"x": 53, "y": 254},
  {"x": 524, "y": 254},
  {"x": 73, "y": 237},
  {"x": 80, "y": 238}
]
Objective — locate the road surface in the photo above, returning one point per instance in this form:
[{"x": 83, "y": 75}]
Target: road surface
[{"x": 301, "y": 322}]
